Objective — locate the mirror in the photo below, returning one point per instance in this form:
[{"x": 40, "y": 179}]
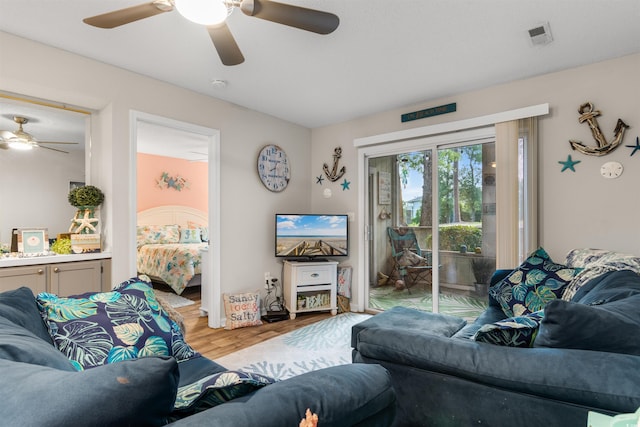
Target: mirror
[{"x": 35, "y": 182}]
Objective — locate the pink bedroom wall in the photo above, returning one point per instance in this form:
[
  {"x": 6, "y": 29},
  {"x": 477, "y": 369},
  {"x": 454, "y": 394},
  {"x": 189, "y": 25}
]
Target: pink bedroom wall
[{"x": 150, "y": 170}]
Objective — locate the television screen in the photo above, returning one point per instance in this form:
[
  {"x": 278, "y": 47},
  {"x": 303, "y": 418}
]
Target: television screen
[{"x": 312, "y": 235}]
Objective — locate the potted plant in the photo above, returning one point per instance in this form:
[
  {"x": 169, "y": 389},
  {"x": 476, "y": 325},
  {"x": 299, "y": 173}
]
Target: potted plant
[
  {"x": 483, "y": 269},
  {"x": 86, "y": 199}
]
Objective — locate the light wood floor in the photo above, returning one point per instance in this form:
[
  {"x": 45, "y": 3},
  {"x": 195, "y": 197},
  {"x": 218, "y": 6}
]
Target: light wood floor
[{"x": 215, "y": 343}]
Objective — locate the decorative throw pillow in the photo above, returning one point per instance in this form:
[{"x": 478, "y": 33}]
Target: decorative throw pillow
[
  {"x": 518, "y": 331},
  {"x": 126, "y": 323},
  {"x": 204, "y": 230},
  {"x": 242, "y": 310},
  {"x": 532, "y": 285},
  {"x": 216, "y": 389},
  {"x": 190, "y": 235},
  {"x": 156, "y": 234}
]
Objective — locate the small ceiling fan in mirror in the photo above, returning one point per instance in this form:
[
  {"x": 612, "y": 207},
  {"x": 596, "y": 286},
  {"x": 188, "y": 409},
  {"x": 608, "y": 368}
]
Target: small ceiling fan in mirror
[
  {"x": 213, "y": 14},
  {"x": 21, "y": 140}
]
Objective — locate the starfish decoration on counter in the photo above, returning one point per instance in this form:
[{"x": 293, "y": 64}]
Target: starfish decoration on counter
[
  {"x": 635, "y": 147},
  {"x": 319, "y": 179},
  {"x": 82, "y": 223},
  {"x": 345, "y": 184},
  {"x": 569, "y": 164}
]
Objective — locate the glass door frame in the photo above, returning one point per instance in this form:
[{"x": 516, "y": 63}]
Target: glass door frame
[{"x": 417, "y": 139}]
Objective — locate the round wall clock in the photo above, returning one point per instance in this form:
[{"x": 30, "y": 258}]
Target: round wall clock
[
  {"x": 611, "y": 169},
  {"x": 273, "y": 168}
]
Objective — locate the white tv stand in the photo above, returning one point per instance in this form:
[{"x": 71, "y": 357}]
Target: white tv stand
[{"x": 310, "y": 286}]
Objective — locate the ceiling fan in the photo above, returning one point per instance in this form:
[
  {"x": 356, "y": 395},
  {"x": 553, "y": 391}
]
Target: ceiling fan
[
  {"x": 21, "y": 140},
  {"x": 213, "y": 14}
]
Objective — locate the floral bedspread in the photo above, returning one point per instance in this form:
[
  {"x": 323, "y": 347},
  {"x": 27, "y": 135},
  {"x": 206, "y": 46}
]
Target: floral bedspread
[{"x": 174, "y": 263}]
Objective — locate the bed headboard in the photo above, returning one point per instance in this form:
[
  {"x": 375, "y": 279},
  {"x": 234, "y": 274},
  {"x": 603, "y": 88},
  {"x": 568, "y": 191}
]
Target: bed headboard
[{"x": 172, "y": 214}]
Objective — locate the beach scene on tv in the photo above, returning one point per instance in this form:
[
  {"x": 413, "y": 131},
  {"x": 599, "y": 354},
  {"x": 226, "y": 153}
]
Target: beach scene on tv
[{"x": 311, "y": 235}]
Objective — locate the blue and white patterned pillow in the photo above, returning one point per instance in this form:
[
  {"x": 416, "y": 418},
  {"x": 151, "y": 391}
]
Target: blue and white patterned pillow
[
  {"x": 532, "y": 285},
  {"x": 190, "y": 235},
  {"x": 98, "y": 328},
  {"x": 216, "y": 389},
  {"x": 520, "y": 331}
]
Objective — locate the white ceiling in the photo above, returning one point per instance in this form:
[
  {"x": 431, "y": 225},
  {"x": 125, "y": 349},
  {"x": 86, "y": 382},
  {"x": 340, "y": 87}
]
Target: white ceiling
[{"x": 385, "y": 54}]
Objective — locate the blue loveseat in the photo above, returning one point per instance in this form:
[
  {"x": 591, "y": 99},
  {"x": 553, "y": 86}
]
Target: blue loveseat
[
  {"x": 581, "y": 354},
  {"x": 41, "y": 386}
]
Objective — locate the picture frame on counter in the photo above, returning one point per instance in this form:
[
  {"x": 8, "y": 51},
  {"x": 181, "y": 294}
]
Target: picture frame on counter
[{"x": 32, "y": 240}]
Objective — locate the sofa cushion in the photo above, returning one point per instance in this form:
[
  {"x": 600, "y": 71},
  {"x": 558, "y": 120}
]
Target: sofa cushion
[
  {"x": 532, "y": 285},
  {"x": 606, "y": 318},
  {"x": 216, "y": 389},
  {"x": 20, "y": 345},
  {"x": 126, "y": 323},
  {"x": 20, "y": 307},
  {"x": 137, "y": 392},
  {"x": 517, "y": 331}
]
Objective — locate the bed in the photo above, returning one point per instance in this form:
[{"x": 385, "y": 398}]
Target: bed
[{"x": 169, "y": 241}]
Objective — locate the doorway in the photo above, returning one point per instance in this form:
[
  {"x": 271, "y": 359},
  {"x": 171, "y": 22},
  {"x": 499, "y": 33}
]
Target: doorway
[{"x": 188, "y": 143}]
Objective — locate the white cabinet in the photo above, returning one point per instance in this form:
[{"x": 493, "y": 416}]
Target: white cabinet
[
  {"x": 60, "y": 278},
  {"x": 310, "y": 286}
]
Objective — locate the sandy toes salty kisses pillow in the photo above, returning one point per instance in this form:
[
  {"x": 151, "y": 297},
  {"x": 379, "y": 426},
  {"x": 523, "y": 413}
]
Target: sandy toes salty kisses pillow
[{"x": 242, "y": 310}]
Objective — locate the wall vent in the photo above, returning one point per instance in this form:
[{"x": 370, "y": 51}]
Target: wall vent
[{"x": 540, "y": 35}]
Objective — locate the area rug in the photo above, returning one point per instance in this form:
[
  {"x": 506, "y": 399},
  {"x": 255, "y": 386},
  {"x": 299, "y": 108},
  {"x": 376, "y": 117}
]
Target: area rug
[
  {"x": 467, "y": 307},
  {"x": 320, "y": 345},
  {"x": 173, "y": 300}
]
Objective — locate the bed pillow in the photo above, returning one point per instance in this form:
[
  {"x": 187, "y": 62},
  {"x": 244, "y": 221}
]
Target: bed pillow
[
  {"x": 204, "y": 230},
  {"x": 190, "y": 235},
  {"x": 137, "y": 392},
  {"x": 157, "y": 234},
  {"x": 517, "y": 331},
  {"x": 532, "y": 285},
  {"x": 100, "y": 328},
  {"x": 242, "y": 310}
]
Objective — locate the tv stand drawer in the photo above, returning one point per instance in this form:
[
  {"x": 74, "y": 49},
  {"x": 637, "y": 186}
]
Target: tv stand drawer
[{"x": 310, "y": 286}]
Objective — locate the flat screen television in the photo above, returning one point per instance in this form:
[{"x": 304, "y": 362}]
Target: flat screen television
[{"x": 311, "y": 237}]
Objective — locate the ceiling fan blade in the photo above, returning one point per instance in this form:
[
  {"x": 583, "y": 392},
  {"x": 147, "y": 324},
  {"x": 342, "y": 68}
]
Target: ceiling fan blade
[
  {"x": 5, "y": 134},
  {"x": 225, "y": 44},
  {"x": 4, "y": 145},
  {"x": 53, "y": 149},
  {"x": 129, "y": 14},
  {"x": 293, "y": 16},
  {"x": 57, "y": 142}
]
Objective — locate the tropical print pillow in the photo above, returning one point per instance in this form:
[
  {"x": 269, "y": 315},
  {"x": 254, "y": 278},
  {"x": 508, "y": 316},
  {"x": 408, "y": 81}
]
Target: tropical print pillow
[
  {"x": 152, "y": 234},
  {"x": 532, "y": 285},
  {"x": 216, "y": 389},
  {"x": 98, "y": 328},
  {"x": 520, "y": 331}
]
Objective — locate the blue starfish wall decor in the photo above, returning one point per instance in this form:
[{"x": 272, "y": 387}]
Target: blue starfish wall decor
[
  {"x": 635, "y": 147},
  {"x": 569, "y": 164},
  {"x": 319, "y": 179},
  {"x": 345, "y": 184}
]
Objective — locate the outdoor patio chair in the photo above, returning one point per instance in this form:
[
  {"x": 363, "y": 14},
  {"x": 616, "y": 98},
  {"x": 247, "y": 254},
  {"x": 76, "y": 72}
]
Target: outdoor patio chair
[{"x": 410, "y": 263}]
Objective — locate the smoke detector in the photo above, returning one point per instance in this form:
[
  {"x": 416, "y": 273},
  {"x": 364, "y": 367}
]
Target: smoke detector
[{"x": 540, "y": 35}]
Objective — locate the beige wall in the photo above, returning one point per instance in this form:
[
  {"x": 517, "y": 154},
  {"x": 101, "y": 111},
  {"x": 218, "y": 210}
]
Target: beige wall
[
  {"x": 578, "y": 209},
  {"x": 247, "y": 208}
]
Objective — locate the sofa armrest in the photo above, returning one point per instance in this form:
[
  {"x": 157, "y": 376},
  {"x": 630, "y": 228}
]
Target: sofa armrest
[
  {"x": 569, "y": 375},
  {"x": 347, "y": 395}
]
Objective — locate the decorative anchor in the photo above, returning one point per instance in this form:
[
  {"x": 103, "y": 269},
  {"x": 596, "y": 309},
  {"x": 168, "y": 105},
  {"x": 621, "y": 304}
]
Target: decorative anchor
[
  {"x": 334, "y": 175},
  {"x": 588, "y": 114}
]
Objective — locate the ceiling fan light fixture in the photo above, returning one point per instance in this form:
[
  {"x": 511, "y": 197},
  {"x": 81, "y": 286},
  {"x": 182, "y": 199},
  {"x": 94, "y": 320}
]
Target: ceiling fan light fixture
[
  {"x": 19, "y": 144},
  {"x": 203, "y": 12}
]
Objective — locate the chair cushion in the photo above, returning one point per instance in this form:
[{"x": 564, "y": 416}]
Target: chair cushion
[
  {"x": 532, "y": 285},
  {"x": 97, "y": 328},
  {"x": 606, "y": 318},
  {"x": 136, "y": 392},
  {"x": 20, "y": 307},
  {"x": 20, "y": 345}
]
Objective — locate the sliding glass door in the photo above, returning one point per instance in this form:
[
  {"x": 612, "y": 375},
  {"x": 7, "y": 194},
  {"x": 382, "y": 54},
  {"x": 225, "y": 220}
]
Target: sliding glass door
[{"x": 434, "y": 228}]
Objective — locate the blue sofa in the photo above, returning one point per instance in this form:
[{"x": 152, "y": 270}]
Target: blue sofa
[
  {"x": 581, "y": 354},
  {"x": 40, "y": 386}
]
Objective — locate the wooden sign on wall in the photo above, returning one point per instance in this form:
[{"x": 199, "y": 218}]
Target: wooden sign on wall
[{"x": 429, "y": 112}]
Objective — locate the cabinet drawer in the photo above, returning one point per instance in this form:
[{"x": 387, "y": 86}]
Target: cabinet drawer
[{"x": 312, "y": 275}]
